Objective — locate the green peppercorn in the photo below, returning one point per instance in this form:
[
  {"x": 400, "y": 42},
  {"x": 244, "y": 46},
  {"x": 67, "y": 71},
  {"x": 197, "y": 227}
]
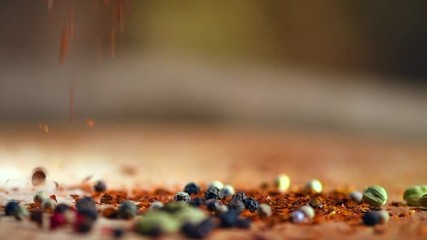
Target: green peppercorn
[
  {"x": 412, "y": 194},
  {"x": 375, "y": 195},
  {"x": 190, "y": 215},
  {"x": 422, "y": 202},
  {"x": 155, "y": 223}
]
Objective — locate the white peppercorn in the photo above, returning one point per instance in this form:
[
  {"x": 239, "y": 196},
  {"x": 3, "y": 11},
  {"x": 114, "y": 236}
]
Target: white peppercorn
[
  {"x": 282, "y": 183},
  {"x": 313, "y": 186}
]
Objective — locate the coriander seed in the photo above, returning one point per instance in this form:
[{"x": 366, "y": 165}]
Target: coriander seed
[{"x": 375, "y": 195}]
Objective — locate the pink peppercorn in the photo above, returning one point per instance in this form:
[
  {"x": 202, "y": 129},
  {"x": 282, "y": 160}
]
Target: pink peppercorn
[{"x": 57, "y": 220}]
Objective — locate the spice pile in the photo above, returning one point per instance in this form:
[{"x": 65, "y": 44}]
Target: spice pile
[{"x": 196, "y": 211}]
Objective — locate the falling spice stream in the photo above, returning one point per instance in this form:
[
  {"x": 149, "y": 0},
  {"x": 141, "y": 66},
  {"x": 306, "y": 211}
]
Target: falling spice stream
[{"x": 117, "y": 8}]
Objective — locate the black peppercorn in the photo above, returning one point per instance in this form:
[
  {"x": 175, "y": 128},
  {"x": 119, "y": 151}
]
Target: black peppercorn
[
  {"x": 196, "y": 202},
  {"x": 192, "y": 188},
  {"x": 371, "y": 218},
  {"x": 212, "y": 193},
  {"x": 243, "y": 223},
  {"x": 200, "y": 230},
  {"x": 229, "y": 218},
  {"x": 12, "y": 208},
  {"x": 182, "y": 196},
  {"x": 251, "y": 204},
  {"x": 100, "y": 186},
  {"x": 240, "y": 196},
  {"x": 86, "y": 206},
  {"x": 237, "y": 205},
  {"x": 61, "y": 208},
  {"x": 212, "y": 205}
]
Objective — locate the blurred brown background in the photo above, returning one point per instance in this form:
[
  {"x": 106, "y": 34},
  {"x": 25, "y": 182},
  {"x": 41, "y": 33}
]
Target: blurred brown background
[{"x": 347, "y": 65}]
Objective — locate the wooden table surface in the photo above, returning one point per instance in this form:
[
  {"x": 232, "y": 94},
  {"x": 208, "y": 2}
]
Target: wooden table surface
[{"x": 147, "y": 155}]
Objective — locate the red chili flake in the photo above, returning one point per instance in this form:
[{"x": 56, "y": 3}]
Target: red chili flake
[
  {"x": 90, "y": 123},
  {"x": 53, "y": 197},
  {"x": 44, "y": 127},
  {"x": 75, "y": 196},
  {"x": 111, "y": 213},
  {"x": 87, "y": 179},
  {"x": 106, "y": 199},
  {"x": 57, "y": 220}
]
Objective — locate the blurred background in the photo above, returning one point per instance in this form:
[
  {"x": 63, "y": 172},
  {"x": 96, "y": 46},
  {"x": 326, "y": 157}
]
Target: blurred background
[
  {"x": 169, "y": 89},
  {"x": 342, "y": 65}
]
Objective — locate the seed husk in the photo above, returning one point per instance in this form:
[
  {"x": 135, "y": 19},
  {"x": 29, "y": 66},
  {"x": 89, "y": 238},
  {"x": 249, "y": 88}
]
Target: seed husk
[{"x": 39, "y": 176}]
